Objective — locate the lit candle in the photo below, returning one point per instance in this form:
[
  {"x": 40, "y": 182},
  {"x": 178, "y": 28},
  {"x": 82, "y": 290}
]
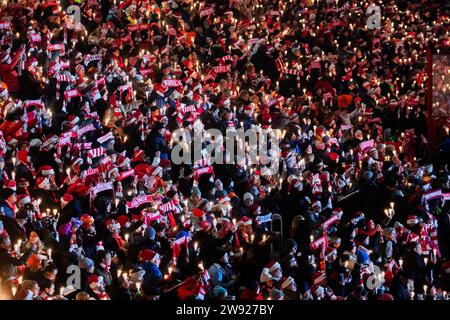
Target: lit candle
[
  {"x": 200, "y": 265},
  {"x": 195, "y": 246},
  {"x": 61, "y": 291},
  {"x": 127, "y": 236}
]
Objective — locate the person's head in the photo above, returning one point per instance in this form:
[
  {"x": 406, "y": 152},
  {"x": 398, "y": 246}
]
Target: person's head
[
  {"x": 275, "y": 270},
  {"x": 288, "y": 284},
  {"x": 34, "y": 237},
  {"x": 50, "y": 271},
  {"x": 8, "y": 271},
  {"x": 5, "y": 241},
  {"x": 48, "y": 287},
  {"x": 196, "y": 194},
  {"x": 417, "y": 247},
  {"x": 291, "y": 246},
  {"x": 276, "y": 294},
  {"x": 104, "y": 257},
  {"x": 87, "y": 264},
  {"x": 30, "y": 285},
  {"x": 82, "y": 296},
  {"x": 9, "y": 195},
  {"x": 151, "y": 256},
  {"x": 248, "y": 199}
]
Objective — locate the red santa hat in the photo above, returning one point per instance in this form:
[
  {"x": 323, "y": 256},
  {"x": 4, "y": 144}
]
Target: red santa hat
[
  {"x": 148, "y": 255},
  {"x": 46, "y": 170},
  {"x": 23, "y": 199},
  {"x": 205, "y": 225},
  {"x": 10, "y": 184},
  {"x": 273, "y": 265},
  {"x": 329, "y": 251},
  {"x": 124, "y": 221},
  {"x": 223, "y": 199},
  {"x": 412, "y": 220},
  {"x": 42, "y": 183},
  {"x": 446, "y": 267},
  {"x": 94, "y": 280},
  {"x": 286, "y": 281},
  {"x": 32, "y": 62},
  {"x": 318, "y": 277},
  {"x": 198, "y": 213},
  {"x": 245, "y": 221}
]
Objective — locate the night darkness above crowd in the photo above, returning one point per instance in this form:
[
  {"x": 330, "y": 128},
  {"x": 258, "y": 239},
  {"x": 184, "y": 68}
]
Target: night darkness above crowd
[{"x": 94, "y": 207}]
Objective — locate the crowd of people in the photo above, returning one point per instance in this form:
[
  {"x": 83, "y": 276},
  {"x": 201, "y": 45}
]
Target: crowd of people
[{"x": 93, "y": 207}]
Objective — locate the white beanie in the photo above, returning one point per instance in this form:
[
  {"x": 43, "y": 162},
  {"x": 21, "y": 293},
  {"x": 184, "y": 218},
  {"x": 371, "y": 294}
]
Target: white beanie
[{"x": 248, "y": 196}]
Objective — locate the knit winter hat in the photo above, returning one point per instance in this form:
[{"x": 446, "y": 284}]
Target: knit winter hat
[
  {"x": 150, "y": 233},
  {"x": 86, "y": 263}
]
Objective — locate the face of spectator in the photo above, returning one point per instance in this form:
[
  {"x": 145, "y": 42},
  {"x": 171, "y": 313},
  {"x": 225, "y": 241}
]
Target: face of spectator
[
  {"x": 277, "y": 274},
  {"x": 107, "y": 260},
  {"x": 5, "y": 243},
  {"x": 157, "y": 261},
  {"x": 12, "y": 198},
  {"x": 292, "y": 287},
  {"x": 51, "y": 275},
  {"x": 35, "y": 289},
  {"x": 51, "y": 290}
]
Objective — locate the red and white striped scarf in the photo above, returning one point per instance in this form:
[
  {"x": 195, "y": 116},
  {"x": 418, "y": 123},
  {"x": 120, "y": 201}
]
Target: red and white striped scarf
[
  {"x": 61, "y": 78},
  {"x": 97, "y": 152}
]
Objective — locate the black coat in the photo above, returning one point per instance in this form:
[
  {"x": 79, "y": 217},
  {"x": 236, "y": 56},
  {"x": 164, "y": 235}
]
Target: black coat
[
  {"x": 33, "y": 90},
  {"x": 6, "y": 258}
]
